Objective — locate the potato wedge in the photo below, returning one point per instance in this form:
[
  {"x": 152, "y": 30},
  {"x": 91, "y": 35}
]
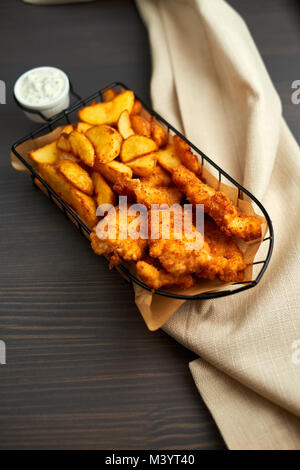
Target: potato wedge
[
  {"x": 158, "y": 178},
  {"x": 140, "y": 125},
  {"x": 63, "y": 143},
  {"x": 188, "y": 159},
  {"x": 143, "y": 166},
  {"x": 110, "y": 94},
  {"x": 106, "y": 141},
  {"x": 136, "y": 146},
  {"x": 45, "y": 154},
  {"x": 104, "y": 193},
  {"x": 67, "y": 156},
  {"x": 158, "y": 133},
  {"x": 81, "y": 203},
  {"x": 76, "y": 175},
  {"x": 124, "y": 125},
  {"x": 82, "y": 147},
  {"x": 82, "y": 127},
  {"x": 113, "y": 170},
  {"x": 107, "y": 112},
  {"x": 137, "y": 107},
  {"x": 67, "y": 129},
  {"x": 168, "y": 158}
]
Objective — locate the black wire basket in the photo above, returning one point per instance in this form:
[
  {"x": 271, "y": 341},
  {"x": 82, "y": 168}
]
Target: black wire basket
[{"x": 68, "y": 116}]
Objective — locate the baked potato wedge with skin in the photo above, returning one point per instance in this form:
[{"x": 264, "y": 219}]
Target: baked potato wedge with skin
[
  {"x": 82, "y": 127},
  {"x": 110, "y": 94},
  {"x": 188, "y": 159},
  {"x": 46, "y": 154},
  {"x": 158, "y": 177},
  {"x": 113, "y": 170},
  {"x": 124, "y": 125},
  {"x": 136, "y": 146},
  {"x": 67, "y": 156},
  {"x": 158, "y": 133},
  {"x": 107, "y": 142},
  {"x": 168, "y": 158},
  {"x": 137, "y": 107},
  {"x": 82, "y": 147},
  {"x": 109, "y": 111},
  {"x": 80, "y": 202},
  {"x": 140, "y": 125},
  {"x": 63, "y": 143},
  {"x": 76, "y": 175},
  {"x": 67, "y": 129},
  {"x": 143, "y": 166},
  {"x": 104, "y": 193}
]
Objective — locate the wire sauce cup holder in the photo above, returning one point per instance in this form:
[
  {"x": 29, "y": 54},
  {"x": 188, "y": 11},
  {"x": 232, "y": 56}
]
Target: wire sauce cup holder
[{"x": 65, "y": 117}]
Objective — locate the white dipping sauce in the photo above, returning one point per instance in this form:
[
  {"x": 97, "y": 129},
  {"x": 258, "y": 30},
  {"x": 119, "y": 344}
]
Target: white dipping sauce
[{"x": 41, "y": 86}]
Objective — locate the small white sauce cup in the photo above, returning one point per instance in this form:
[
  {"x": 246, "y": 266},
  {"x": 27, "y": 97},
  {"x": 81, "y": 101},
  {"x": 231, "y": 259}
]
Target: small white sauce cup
[{"x": 52, "y": 107}]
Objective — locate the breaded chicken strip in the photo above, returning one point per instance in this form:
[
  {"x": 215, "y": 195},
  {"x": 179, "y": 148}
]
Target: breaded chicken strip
[
  {"x": 145, "y": 194},
  {"x": 222, "y": 245},
  {"x": 188, "y": 159},
  {"x": 219, "y": 243},
  {"x": 157, "y": 278},
  {"x": 127, "y": 249},
  {"x": 178, "y": 259},
  {"x": 228, "y": 217}
]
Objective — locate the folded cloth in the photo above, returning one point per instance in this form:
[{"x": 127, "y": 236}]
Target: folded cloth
[{"x": 210, "y": 82}]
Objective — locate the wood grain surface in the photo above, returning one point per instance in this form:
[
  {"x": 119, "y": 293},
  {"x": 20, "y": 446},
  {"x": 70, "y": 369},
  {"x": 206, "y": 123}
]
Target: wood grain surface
[{"x": 82, "y": 371}]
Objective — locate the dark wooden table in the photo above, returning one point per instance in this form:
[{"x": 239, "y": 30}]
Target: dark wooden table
[{"x": 82, "y": 370}]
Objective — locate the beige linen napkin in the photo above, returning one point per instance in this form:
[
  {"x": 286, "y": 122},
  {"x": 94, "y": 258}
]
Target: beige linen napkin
[{"x": 209, "y": 81}]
